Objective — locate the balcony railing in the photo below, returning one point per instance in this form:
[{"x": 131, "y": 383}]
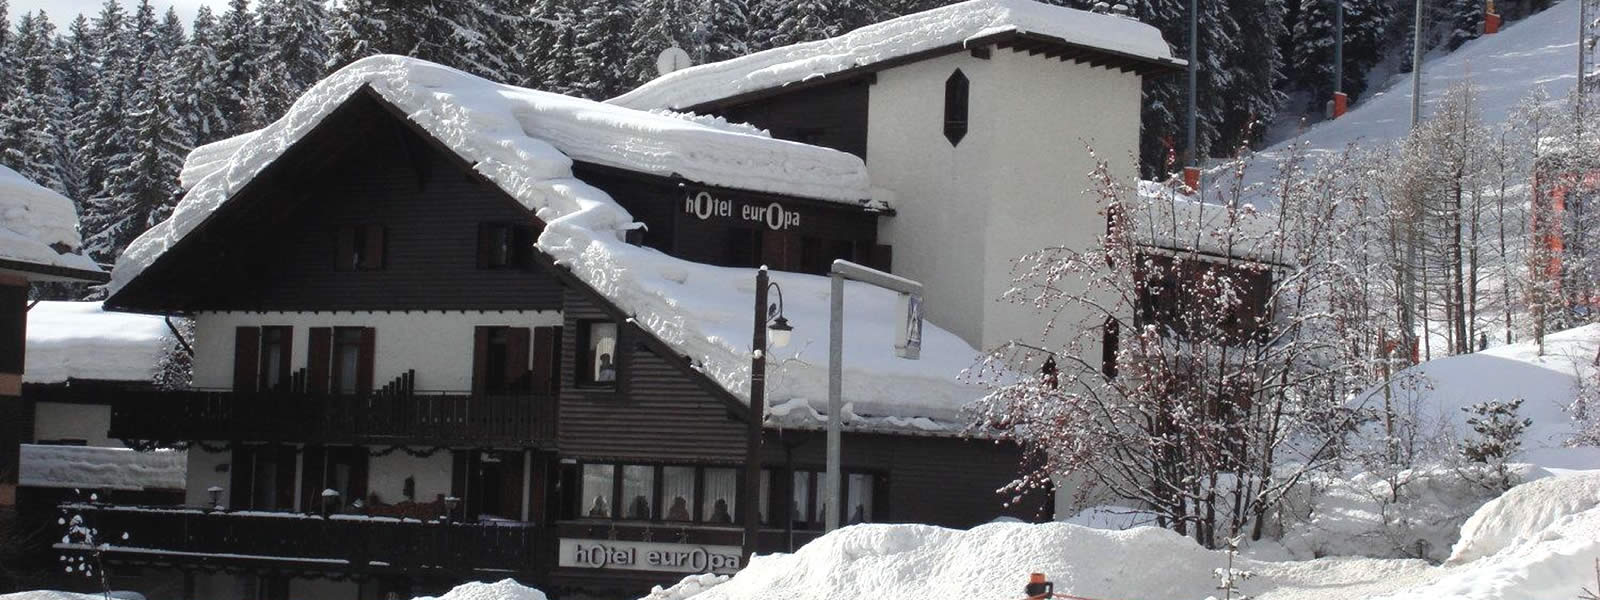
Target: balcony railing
[
  {"x": 422, "y": 418},
  {"x": 180, "y": 535}
]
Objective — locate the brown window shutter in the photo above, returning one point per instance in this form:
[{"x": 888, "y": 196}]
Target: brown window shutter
[
  {"x": 369, "y": 345},
  {"x": 480, "y": 357},
  {"x": 313, "y": 475},
  {"x": 344, "y": 255},
  {"x": 246, "y": 358},
  {"x": 239, "y": 477},
  {"x": 372, "y": 257},
  {"x": 319, "y": 353},
  {"x": 544, "y": 359},
  {"x": 518, "y": 342},
  {"x": 485, "y": 241}
]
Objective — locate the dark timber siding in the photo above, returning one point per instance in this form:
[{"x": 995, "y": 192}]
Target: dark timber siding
[
  {"x": 273, "y": 247},
  {"x": 834, "y": 116},
  {"x": 657, "y": 412}
]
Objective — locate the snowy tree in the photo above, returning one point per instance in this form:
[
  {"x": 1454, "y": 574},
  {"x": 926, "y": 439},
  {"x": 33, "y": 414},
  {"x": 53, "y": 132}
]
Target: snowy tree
[
  {"x": 599, "y": 69},
  {"x": 1498, "y": 436},
  {"x": 796, "y": 21},
  {"x": 547, "y": 45},
  {"x": 76, "y": 65},
  {"x": 142, "y": 187},
  {"x": 293, "y": 35},
  {"x": 728, "y": 29},
  {"x": 236, "y": 52},
  {"x": 8, "y": 67},
  {"x": 657, "y": 25},
  {"x": 32, "y": 125},
  {"x": 202, "y": 88}
]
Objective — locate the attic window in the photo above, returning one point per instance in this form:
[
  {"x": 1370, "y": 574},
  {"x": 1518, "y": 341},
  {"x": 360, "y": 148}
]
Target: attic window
[
  {"x": 955, "y": 107},
  {"x": 360, "y": 248}
]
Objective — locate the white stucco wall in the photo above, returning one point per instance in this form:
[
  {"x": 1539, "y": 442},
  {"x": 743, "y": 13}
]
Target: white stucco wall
[
  {"x": 204, "y": 473},
  {"x": 386, "y": 476},
  {"x": 59, "y": 421},
  {"x": 1013, "y": 185},
  {"x": 437, "y": 344}
]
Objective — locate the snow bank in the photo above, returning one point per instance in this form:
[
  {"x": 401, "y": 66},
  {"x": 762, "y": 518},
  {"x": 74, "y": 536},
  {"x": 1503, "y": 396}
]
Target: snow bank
[
  {"x": 34, "y": 221},
  {"x": 525, "y": 141},
  {"x": 953, "y": 24},
  {"x": 93, "y": 468},
  {"x": 688, "y": 587},
  {"x": 1525, "y": 511},
  {"x": 80, "y": 340},
  {"x": 1553, "y": 562},
  {"x": 505, "y": 589},
  {"x": 1546, "y": 383}
]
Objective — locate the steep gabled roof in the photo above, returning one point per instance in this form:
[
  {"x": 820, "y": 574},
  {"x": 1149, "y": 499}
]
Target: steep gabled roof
[
  {"x": 39, "y": 232},
  {"x": 518, "y": 140},
  {"x": 1023, "y": 24}
]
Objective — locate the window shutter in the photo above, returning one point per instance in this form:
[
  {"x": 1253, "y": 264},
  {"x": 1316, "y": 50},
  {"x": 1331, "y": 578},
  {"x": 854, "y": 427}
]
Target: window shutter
[
  {"x": 240, "y": 474},
  {"x": 345, "y": 249},
  {"x": 369, "y": 338},
  {"x": 485, "y": 243},
  {"x": 313, "y": 475},
  {"x": 372, "y": 256},
  {"x": 246, "y": 358},
  {"x": 518, "y": 342},
  {"x": 544, "y": 359},
  {"x": 480, "y": 359},
  {"x": 319, "y": 353}
]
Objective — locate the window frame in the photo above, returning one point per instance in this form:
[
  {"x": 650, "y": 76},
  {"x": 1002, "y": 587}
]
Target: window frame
[
  {"x": 583, "y": 365},
  {"x": 700, "y": 509},
  {"x": 957, "y": 106},
  {"x": 353, "y": 246},
  {"x": 516, "y": 246}
]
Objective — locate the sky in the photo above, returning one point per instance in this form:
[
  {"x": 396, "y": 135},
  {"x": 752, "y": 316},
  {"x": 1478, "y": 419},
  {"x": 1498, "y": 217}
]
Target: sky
[{"x": 62, "y": 12}]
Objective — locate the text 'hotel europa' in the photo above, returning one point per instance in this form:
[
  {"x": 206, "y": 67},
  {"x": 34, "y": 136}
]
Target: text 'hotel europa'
[{"x": 774, "y": 215}]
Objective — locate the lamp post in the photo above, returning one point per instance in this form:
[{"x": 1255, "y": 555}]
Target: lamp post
[{"x": 768, "y": 319}]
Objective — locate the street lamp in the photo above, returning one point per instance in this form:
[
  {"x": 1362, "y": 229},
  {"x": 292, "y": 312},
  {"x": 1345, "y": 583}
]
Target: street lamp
[{"x": 769, "y": 320}]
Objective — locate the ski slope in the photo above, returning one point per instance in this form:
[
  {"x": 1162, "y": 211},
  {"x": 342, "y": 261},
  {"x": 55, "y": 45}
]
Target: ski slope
[{"x": 1540, "y": 50}]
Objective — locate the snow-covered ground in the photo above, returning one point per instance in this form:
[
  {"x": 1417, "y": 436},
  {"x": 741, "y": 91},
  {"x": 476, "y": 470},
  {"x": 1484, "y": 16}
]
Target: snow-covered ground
[{"x": 79, "y": 340}]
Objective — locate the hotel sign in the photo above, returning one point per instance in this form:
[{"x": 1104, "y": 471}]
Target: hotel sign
[
  {"x": 774, "y": 215},
  {"x": 647, "y": 556}
]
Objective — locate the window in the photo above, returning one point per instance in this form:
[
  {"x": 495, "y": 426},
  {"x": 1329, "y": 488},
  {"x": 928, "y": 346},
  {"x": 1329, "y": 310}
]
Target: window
[
  {"x": 858, "y": 500},
  {"x": 505, "y": 246},
  {"x": 352, "y": 360},
  {"x": 677, "y": 493},
  {"x": 598, "y": 484},
  {"x": 597, "y": 359},
  {"x": 722, "y": 495},
  {"x": 275, "y": 348},
  {"x": 342, "y": 469},
  {"x": 500, "y": 360},
  {"x": 801, "y": 500},
  {"x": 638, "y": 487},
  {"x": 955, "y": 107},
  {"x": 359, "y": 248}
]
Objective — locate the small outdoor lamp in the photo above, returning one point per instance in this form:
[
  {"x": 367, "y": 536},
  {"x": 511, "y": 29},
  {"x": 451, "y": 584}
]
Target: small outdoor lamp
[
  {"x": 450, "y": 504},
  {"x": 330, "y": 497},
  {"x": 216, "y": 496},
  {"x": 778, "y": 329}
]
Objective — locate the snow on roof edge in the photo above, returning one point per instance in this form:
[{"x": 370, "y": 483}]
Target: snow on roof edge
[{"x": 35, "y": 221}]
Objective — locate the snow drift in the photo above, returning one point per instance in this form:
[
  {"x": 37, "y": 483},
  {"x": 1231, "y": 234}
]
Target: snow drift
[{"x": 1524, "y": 512}]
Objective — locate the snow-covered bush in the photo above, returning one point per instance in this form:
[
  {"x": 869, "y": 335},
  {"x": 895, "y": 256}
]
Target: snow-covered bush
[{"x": 1499, "y": 436}]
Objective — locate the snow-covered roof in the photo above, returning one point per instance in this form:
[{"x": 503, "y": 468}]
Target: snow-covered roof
[
  {"x": 98, "y": 468},
  {"x": 525, "y": 142},
  {"x": 951, "y": 25},
  {"x": 34, "y": 221},
  {"x": 79, "y": 340}
]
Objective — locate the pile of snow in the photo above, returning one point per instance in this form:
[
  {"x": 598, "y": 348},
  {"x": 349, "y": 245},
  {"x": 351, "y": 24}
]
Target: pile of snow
[
  {"x": 525, "y": 141},
  {"x": 1547, "y": 383},
  {"x": 505, "y": 589},
  {"x": 689, "y": 586},
  {"x": 954, "y": 24},
  {"x": 35, "y": 222},
  {"x": 1524, "y": 512},
  {"x": 57, "y": 595},
  {"x": 80, "y": 340},
  {"x": 95, "y": 468}
]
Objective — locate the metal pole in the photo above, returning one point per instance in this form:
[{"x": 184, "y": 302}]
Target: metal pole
[
  {"x": 1338, "y": 46},
  {"x": 835, "y": 400},
  {"x": 758, "y": 391},
  {"x": 1194, "y": 74},
  {"x": 1416, "y": 68}
]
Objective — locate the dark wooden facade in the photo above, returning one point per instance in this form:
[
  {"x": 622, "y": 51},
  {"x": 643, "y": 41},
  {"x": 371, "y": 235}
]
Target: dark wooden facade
[
  {"x": 832, "y": 115},
  {"x": 283, "y": 244}
]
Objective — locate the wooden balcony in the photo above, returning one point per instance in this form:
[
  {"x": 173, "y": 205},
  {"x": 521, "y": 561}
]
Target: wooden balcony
[
  {"x": 191, "y": 537},
  {"x": 513, "y": 420}
]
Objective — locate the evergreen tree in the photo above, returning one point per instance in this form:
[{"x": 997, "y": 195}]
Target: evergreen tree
[
  {"x": 8, "y": 82},
  {"x": 657, "y": 25},
  {"x": 802, "y": 21},
  {"x": 201, "y": 87},
  {"x": 1257, "y": 72},
  {"x": 546, "y": 44},
  {"x": 727, "y": 29},
  {"x": 31, "y": 121},
  {"x": 78, "y": 71},
  {"x": 599, "y": 68},
  {"x": 236, "y": 55},
  {"x": 98, "y": 121},
  {"x": 169, "y": 34},
  {"x": 142, "y": 187}
]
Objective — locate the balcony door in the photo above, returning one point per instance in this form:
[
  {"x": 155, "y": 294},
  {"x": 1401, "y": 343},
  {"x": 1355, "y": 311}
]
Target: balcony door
[
  {"x": 262, "y": 478},
  {"x": 490, "y": 484},
  {"x": 501, "y": 360},
  {"x": 339, "y": 360}
]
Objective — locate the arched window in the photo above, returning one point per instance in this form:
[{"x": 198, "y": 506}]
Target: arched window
[{"x": 955, "y": 107}]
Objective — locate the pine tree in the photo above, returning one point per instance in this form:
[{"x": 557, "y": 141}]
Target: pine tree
[
  {"x": 31, "y": 122},
  {"x": 1257, "y": 72},
  {"x": 293, "y": 55},
  {"x": 657, "y": 25},
  {"x": 201, "y": 87},
  {"x": 8, "y": 82},
  {"x": 141, "y": 189},
  {"x": 359, "y": 28},
  {"x": 98, "y": 122},
  {"x": 236, "y": 54},
  {"x": 803, "y": 21},
  {"x": 599, "y": 69},
  {"x": 545, "y": 45},
  {"x": 727, "y": 29},
  {"x": 78, "y": 71},
  {"x": 1466, "y": 16}
]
